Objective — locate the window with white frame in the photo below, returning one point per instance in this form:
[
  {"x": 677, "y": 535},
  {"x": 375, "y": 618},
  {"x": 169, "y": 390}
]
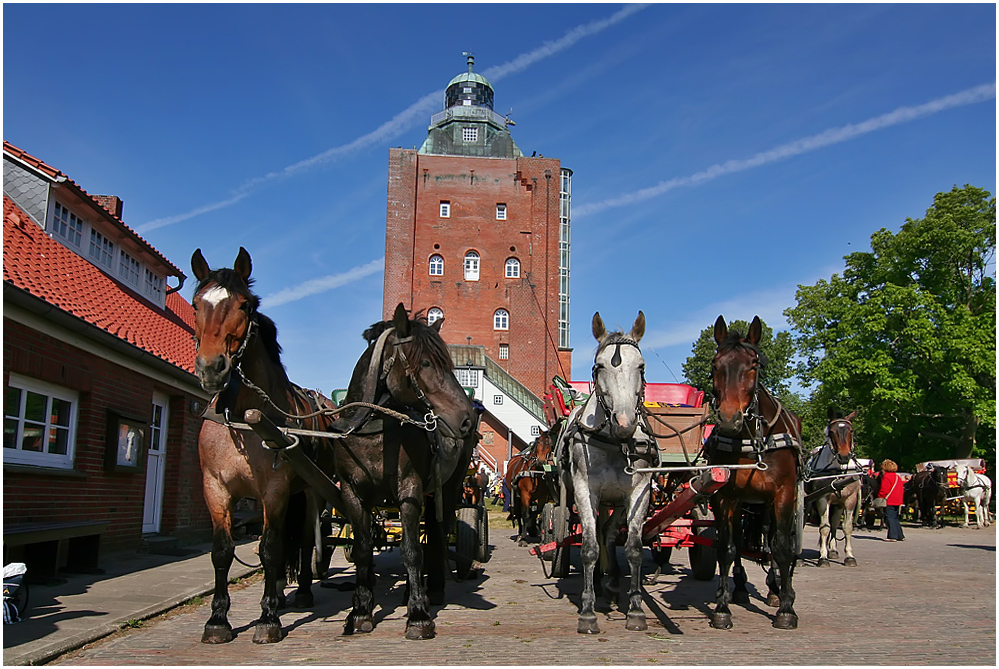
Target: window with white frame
[
  {"x": 467, "y": 377},
  {"x": 154, "y": 287},
  {"x": 512, "y": 268},
  {"x": 445, "y": 209},
  {"x": 101, "y": 249},
  {"x": 471, "y": 266},
  {"x": 535, "y": 430},
  {"x": 434, "y": 315},
  {"x": 500, "y": 211},
  {"x": 128, "y": 268},
  {"x": 39, "y": 423},
  {"x": 497, "y": 399},
  {"x": 501, "y": 319},
  {"x": 67, "y": 225},
  {"x": 436, "y": 265},
  {"x": 469, "y": 134},
  {"x": 504, "y": 351}
]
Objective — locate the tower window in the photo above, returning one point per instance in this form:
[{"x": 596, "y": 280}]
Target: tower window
[
  {"x": 512, "y": 268},
  {"x": 504, "y": 351},
  {"x": 501, "y": 211},
  {"x": 434, "y": 315},
  {"x": 436, "y": 265},
  {"x": 471, "y": 266},
  {"x": 501, "y": 320},
  {"x": 445, "y": 209},
  {"x": 469, "y": 134}
]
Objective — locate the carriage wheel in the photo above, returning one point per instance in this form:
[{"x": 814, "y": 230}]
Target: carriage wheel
[
  {"x": 662, "y": 555},
  {"x": 560, "y": 558},
  {"x": 466, "y": 541},
  {"x": 322, "y": 553},
  {"x": 483, "y": 531},
  {"x": 547, "y": 529},
  {"x": 799, "y": 519},
  {"x": 703, "y": 559}
]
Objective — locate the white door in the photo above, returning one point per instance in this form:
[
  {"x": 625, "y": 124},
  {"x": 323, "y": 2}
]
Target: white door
[{"x": 152, "y": 510}]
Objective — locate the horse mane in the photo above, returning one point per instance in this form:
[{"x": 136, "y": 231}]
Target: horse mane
[{"x": 427, "y": 343}]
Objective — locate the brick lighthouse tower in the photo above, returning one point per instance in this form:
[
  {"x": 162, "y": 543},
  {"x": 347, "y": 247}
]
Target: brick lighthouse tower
[{"x": 478, "y": 233}]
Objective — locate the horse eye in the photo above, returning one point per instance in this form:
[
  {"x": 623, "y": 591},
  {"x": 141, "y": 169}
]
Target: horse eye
[{"x": 425, "y": 364}]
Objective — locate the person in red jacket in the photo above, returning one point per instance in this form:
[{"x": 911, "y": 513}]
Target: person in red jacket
[{"x": 891, "y": 492}]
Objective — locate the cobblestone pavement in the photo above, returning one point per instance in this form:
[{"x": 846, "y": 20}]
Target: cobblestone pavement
[{"x": 930, "y": 600}]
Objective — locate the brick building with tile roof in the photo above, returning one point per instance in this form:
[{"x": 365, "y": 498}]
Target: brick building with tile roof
[{"x": 101, "y": 409}]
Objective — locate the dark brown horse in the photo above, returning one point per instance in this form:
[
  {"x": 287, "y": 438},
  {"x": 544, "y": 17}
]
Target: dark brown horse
[
  {"x": 418, "y": 446},
  {"x": 754, "y": 432},
  {"x": 239, "y": 361},
  {"x": 529, "y": 488},
  {"x": 928, "y": 489}
]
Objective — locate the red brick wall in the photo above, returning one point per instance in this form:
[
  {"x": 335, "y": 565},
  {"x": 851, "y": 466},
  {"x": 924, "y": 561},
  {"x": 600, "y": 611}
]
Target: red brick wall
[
  {"x": 415, "y": 231},
  {"x": 495, "y": 440},
  {"x": 88, "y": 492}
]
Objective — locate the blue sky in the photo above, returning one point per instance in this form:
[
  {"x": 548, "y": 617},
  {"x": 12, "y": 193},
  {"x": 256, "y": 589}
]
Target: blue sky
[{"x": 722, "y": 154}]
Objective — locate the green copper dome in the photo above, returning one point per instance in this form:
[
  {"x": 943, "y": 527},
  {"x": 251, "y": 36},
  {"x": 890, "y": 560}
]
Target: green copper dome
[{"x": 469, "y": 89}]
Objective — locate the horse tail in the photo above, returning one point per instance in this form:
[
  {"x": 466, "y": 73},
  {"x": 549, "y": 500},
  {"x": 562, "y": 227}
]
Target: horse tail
[{"x": 295, "y": 526}]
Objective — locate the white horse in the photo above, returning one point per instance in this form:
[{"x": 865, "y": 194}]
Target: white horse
[
  {"x": 975, "y": 488},
  {"x": 604, "y": 440}
]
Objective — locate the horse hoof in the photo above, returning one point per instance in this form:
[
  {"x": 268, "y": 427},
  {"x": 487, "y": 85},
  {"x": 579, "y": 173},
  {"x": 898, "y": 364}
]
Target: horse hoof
[
  {"x": 358, "y": 625},
  {"x": 436, "y": 598},
  {"x": 217, "y": 634},
  {"x": 304, "y": 599},
  {"x": 418, "y": 631},
  {"x": 773, "y": 599},
  {"x": 740, "y": 597},
  {"x": 786, "y": 621},
  {"x": 636, "y": 622},
  {"x": 267, "y": 633},
  {"x": 850, "y": 562},
  {"x": 823, "y": 562},
  {"x": 721, "y": 621},
  {"x": 588, "y": 625}
]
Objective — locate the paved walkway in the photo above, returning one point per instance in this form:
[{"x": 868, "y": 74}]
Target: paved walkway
[{"x": 929, "y": 600}]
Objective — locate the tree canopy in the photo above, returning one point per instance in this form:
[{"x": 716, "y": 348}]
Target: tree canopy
[{"x": 907, "y": 334}]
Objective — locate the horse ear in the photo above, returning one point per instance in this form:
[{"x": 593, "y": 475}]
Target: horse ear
[
  {"x": 243, "y": 266},
  {"x": 437, "y": 325},
  {"x": 755, "y": 331},
  {"x": 852, "y": 415},
  {"x": 200, "y": 266},
  {"x": 599, "y": 331},
  {"x": 400, "y": 321},
  {"x": 638, "y": 329},
  {"x": 721, "y": 330},
  {"x": 831, "y": 413}
]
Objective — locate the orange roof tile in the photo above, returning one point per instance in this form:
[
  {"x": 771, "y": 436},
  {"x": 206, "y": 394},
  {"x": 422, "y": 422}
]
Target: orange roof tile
[
  {"x": 36, "y": 263},
  {"x": 53, "y": 173}
]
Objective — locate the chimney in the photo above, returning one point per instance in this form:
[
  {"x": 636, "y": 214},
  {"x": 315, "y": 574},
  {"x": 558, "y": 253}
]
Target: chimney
[{"x": 112, "y": 203}]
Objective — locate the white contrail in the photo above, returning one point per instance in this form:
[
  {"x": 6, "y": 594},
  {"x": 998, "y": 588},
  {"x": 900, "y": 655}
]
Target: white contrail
[
  {"x": 322, "y": 284},
  {"x": 798, "y": 147},
  {"x": 404, "y": 120}
]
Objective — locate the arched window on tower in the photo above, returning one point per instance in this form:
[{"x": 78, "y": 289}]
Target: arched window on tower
[
  {"x": 434, "y": 314},
  {"x": 436, "y": 265},
  {"x": 501, "y": 319},
  {"x": 512, "y": 268},
  {"x": 471, "y": 266}
]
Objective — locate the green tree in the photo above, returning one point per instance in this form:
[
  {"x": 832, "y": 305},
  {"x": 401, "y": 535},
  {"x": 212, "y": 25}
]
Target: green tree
[
  {"x": 907, "y": 334},
  {"x": 776, "y": 375}
]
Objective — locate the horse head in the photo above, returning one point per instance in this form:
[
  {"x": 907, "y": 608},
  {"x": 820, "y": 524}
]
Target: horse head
[
  {"x": 619, "y": 375},
  {"x": 417, "y": 371},
  {"x": 735, "y": 375},
  {"x": 225, "y": 315},
  {"x": 963, "y": 476},
  {"x": 840, "y": 435}
]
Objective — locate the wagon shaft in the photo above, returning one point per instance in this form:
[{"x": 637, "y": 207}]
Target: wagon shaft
[{"x": 705, "y": 484}]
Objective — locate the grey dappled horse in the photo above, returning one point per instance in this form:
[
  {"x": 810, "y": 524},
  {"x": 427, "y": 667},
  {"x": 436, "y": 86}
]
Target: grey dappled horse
[
  {"x": 604, "y": 438},
  {"x": 836, "y": 499}
]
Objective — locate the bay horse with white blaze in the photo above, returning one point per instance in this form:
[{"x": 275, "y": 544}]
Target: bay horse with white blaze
[
  {"x": 605, "y": 441},
  {"x": 836, "y": 497},
  {"x": 761, "y": 440},
  {"x": 239, "y": 360},
  {"x": 418, "y": 445}
]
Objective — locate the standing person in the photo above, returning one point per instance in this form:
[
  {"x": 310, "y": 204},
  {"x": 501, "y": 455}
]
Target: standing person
[{"x": 891, "y": 491}]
